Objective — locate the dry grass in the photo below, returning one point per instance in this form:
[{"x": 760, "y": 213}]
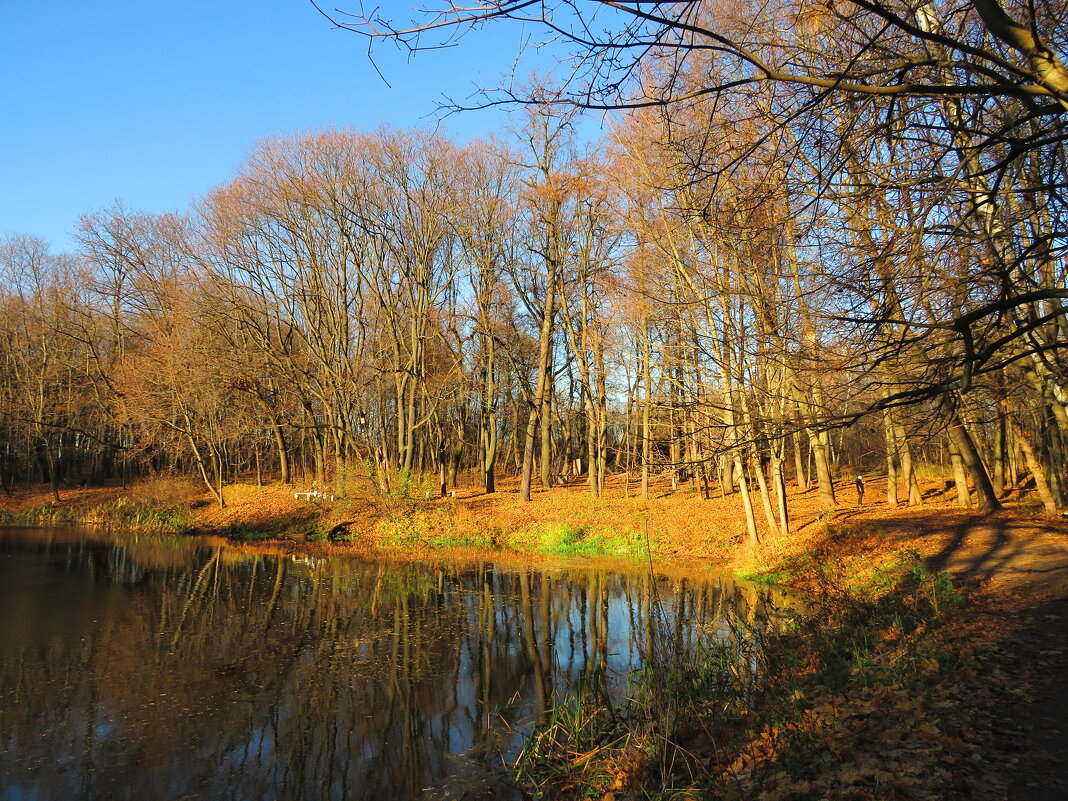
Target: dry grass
[{"x": 166, "y": 491}]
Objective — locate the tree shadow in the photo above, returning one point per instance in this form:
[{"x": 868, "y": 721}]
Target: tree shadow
[{"x": 972, "y": 546}]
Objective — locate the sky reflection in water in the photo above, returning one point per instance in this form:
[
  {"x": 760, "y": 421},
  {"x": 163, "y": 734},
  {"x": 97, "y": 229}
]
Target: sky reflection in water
[{"x": 160, "y": 668}]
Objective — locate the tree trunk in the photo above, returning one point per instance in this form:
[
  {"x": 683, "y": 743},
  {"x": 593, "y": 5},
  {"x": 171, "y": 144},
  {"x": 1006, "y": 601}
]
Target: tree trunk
[
  {"x": 591, "y": 448},
  {"x": 647, "y": 354},
  {"x": 214, "y": 488},
  {"x": 1034, "y": 464},
  {"x": 538, "y": 405},
  {"x": 908, "y": 467},
  {"x": 965, "y": 446},
  {"x": 747, "y": 501},
  {"x": 217, "y": 460},
  {"x": 818, "y": 444},
  {"x": 546, "y": 417},
  {"x": 778, "y": 481},
  {"x": 53, "y": 475},
  {"x": 765, "y": 495},
  {"x": 443, "y": 488},
  {"x": 528, "y": 455},
  {"x": 799, "y": 463},
  {"x": 726, "y": 476},
  {"x": 891, "y": 459},
  {"x": 960, "y": 478},
  {"x": 5, "y": 478},
  {"x": 1053, "y": 452},
  {"x": 489, "y": 427},
  {"x": 998, "y": 479}
]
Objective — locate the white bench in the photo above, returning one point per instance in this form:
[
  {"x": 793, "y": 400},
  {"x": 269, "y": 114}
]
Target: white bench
[{"x": 314, "y": 495}]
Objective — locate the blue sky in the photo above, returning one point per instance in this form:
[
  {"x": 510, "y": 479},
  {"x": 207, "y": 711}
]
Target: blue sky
[{"x": 153, "y": 103}]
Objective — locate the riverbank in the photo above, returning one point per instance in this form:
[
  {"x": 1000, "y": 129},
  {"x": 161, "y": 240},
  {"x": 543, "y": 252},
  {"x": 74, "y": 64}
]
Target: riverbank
[
  {"x": 901, "y": 680},
  {"x": 674, "y": 522},
  {"x": 1015, "y": 546},
  {"x": 897, "y": 682}
]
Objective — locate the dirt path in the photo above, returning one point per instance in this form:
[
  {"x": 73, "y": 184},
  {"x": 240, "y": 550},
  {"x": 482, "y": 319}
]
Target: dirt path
[
  {"x": 1017, "y": 570},
  {"x": 1039, "y": 715},
  {"x": 1008, "y": 553}
]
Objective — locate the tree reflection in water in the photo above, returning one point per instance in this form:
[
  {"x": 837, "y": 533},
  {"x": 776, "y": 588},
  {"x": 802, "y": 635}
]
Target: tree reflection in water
[{"x": 163, "y": 669}]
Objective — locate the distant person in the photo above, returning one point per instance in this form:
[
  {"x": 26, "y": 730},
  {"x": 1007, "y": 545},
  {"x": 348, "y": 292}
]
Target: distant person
[{"x": 860, "y": 490}]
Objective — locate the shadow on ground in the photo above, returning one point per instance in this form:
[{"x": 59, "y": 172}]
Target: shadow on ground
[{"x": 1016, "y": 553}]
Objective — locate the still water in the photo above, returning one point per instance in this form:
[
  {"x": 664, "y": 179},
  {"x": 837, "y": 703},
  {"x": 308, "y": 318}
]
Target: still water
[{"x": 136, "y": 667}]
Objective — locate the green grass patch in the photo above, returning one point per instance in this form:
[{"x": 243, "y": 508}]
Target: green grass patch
[
  {"x": 461, "y": 540},
  {"x": 432, "y": 526},
  {"x": 565, "y": 539},
  {"x": 42, "y": 516},
  {"x": 243, "y": 533},
  {"x": 761, "y": 576},
  {"x": 137, "y": 515},
  {"x": 124, "y": 513}
]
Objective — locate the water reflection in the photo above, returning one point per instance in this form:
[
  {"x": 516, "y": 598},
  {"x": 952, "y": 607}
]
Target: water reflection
[{"x": 160, "y": 668}]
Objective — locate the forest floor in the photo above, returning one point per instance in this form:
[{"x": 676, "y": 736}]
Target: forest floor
[
  {"x": 1005, "y": 701},
  {"x": 980, "y": 711},
  {"x": 988, "y": 717}
]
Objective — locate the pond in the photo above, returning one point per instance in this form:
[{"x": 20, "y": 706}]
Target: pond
[{"x": 140, "y": 667}]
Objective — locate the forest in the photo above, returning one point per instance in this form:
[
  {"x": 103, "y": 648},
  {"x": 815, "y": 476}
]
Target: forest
[
  {"x": 774, "y": 278},
  {"x": 533, "y": 465}
]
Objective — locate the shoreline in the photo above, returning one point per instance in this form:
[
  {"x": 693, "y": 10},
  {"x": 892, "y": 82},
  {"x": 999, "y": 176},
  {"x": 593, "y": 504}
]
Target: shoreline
[
  {"x": 561, "y": 522},
  {"x": 900, "y": 679}
]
